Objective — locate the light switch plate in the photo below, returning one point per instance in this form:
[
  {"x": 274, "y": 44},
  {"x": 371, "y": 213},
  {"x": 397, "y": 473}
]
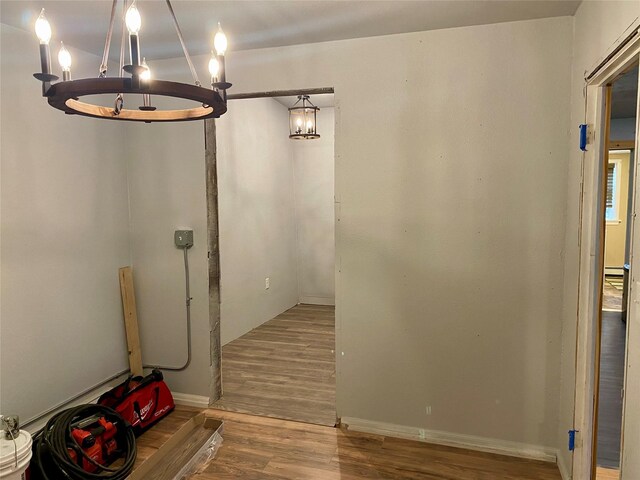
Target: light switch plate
[{"x": 183, "y": 238}]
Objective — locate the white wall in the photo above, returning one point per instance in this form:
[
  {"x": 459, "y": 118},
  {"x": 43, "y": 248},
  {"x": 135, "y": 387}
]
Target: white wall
[
  {"x": 65, "y": 233},
  {"x": 315, "y": 219},
  {"x": 597, "y": 25},
  {"x": 449, "y": 258},
  {"x": 257, "y": 218},
  {"x": 166, "y": 184}
]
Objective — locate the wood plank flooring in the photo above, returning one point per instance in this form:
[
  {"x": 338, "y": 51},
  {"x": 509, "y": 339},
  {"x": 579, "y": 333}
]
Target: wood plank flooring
[
  {"x": 611, "y": 382},
  {"x": 607, "y": 474},
  {"x": 285, "y": 368},
  {"x": 260, "y": 448}
]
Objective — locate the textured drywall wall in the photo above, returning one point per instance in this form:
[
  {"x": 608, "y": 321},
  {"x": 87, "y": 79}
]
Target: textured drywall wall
[
  {"x": 257, "y": 217},
  {"x": 313, "y": 163},
  {"x": 65, "y": 233},
  {"x": 597, "y": 25},
  {"x": 449, "y": 258}
]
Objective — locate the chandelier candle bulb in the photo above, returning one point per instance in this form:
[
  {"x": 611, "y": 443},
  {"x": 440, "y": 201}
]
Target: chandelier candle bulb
[
  {"x": 214, "y": 69},
  {"x": 43, "y": 31},
  {"x": 220, "y": 44},
  {"x": 64, "y": 58},
  {"x": 134, "y": 22}
]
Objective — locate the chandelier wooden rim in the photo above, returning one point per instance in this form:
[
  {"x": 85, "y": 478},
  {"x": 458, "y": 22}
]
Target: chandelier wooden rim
[{"x": 65, "y": 96}]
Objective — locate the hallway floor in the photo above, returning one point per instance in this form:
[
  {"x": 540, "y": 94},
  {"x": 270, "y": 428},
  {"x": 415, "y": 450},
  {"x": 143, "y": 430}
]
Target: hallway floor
[
  {"x": 611, "y": 383},
  {"x": 285, "y": 368}
]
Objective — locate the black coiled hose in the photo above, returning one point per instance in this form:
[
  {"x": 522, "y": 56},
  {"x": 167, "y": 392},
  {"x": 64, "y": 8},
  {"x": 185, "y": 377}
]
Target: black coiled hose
[{"x": 50, "y": 446}]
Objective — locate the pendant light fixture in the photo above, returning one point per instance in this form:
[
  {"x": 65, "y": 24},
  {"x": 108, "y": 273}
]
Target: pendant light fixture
[
  {"x": 66, "y": 95},
  {"x": 302, "y": 119}
]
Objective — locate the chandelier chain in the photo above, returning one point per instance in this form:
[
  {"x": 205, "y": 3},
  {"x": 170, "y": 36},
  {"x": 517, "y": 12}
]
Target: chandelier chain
[
  {"x": 194, "y": 74},
  {"x": 107, "y": 43}
]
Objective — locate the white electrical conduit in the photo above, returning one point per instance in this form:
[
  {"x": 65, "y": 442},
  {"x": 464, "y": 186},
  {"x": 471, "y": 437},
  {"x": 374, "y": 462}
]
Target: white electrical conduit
[{"x": 188, "y": 305}]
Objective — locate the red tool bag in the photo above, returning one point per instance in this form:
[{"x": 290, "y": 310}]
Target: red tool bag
[{"x": 141, "y": 401}]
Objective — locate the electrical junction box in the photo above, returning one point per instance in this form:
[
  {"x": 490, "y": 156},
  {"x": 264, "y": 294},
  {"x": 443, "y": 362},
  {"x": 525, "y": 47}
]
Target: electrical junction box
[{"x": 183, "y": 238}]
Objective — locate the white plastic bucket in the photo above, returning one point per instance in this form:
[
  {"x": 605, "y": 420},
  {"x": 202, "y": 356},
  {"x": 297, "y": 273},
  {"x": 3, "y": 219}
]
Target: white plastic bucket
[{"x": 8, "y": 468}]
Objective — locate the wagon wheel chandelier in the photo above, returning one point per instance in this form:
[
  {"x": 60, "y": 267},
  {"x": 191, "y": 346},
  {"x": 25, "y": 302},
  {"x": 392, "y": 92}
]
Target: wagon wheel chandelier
[{"x": 66, "y": 95}]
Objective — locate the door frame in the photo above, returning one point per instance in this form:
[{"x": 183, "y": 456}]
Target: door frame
[
  {"x": 591, "y": 238},
  {"x": 215, "y": 364}
]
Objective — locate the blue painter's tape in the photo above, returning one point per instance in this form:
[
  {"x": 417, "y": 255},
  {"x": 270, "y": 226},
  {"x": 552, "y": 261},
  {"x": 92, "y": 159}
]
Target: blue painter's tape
[
  {"x": 583, "y": 137},
  {"x": 572, "y": 440}
]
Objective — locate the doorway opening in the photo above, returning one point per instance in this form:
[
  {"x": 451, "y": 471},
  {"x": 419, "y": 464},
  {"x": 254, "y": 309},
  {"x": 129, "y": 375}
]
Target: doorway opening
[
  {"x": 594, "y": 279},
  {"x": 277, "y": 260},
  {"x": 619, "y": 174}
]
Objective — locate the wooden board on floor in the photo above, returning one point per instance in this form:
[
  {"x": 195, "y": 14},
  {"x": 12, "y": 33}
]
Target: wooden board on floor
[
  {"x": 130, "y": 320},
  {"x": 180, "y": 451},
  {"x": 285, "y": 368}
]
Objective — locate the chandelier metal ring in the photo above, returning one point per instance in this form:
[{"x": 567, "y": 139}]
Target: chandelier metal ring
[{"x": 65, "y": 96}]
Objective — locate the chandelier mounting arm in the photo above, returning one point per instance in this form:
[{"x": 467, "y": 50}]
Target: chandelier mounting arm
[
  {"x": 107, "y": 42},
  {"x": 194, "y": 74}
]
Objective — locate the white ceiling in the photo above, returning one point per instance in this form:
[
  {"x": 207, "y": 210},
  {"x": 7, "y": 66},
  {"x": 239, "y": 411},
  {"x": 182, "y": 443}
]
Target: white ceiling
[
  {"x": 624, "y": 96},
  {"x": 258, "y": 24}
]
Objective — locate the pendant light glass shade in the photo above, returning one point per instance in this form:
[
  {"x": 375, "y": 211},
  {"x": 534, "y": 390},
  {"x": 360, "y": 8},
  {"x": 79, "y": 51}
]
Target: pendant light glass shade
[{"x": 303, "y": 119}]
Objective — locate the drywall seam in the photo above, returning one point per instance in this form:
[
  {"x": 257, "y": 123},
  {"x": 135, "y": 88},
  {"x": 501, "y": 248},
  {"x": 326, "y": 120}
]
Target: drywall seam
[{"x": 471, "y": 442}]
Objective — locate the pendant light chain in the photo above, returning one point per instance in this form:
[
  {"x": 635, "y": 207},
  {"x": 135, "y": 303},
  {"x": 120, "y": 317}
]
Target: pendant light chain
[
  {"x": 194, "y": 74},
  {"x": 107, "y": 43}
]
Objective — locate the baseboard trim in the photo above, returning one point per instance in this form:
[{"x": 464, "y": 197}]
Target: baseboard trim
[
  {"x": 471, "y": 442},
  {"x": 313, "y": 300},
  {"x": 188, "y": 400},
  {"x": 564, "y": 470},
  {"x": 614, "y": 271}
]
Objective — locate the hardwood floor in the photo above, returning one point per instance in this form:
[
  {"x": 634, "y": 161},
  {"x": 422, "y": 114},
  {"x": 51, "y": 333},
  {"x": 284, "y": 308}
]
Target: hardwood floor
[
  {"x": 285, "y": 368},
  {"x": 607, "y": 474},
  {"x": 611, "y": 296},
  {"x": 611, "y": 383},
  {"x": 260, "y": 448}
]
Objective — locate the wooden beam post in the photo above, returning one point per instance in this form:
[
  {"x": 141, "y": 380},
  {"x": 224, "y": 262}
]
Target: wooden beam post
[
  {"x": 130, "y": 320},
  {"x": 213, "y": 248}
]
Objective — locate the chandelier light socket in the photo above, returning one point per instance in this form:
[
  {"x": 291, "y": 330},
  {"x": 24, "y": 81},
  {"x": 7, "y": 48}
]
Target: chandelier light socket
[
  {"x": 134, "y": 49},
  {"x": 45, "y": 58}
]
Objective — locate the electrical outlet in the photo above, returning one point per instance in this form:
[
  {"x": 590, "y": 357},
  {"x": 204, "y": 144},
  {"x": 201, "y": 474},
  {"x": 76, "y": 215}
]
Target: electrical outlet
[
  {"x": 183, "y": 238},
  {"x": 428, "y": 409},
  {"x": 267, "y": 283}
]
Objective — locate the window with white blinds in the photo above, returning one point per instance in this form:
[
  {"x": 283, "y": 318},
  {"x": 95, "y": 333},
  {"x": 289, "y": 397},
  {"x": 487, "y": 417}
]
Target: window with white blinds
[{"x": 613, "y": 191}]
